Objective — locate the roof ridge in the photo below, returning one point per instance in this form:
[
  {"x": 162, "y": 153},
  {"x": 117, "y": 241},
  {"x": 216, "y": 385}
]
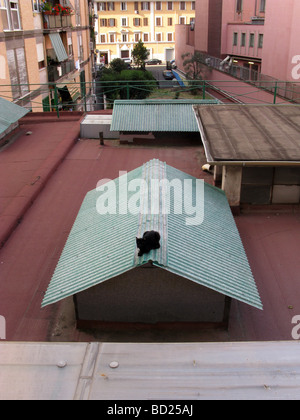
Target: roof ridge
[{"x": 152, "y": 199}]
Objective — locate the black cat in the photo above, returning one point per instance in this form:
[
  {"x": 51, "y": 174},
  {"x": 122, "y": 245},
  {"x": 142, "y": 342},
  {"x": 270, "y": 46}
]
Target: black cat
[{"x": 150, "y": 240}]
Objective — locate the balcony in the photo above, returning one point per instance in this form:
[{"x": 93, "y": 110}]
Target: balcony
[
  {"x": 56, "y": 21},
  {"x": 58, "y": 70}
]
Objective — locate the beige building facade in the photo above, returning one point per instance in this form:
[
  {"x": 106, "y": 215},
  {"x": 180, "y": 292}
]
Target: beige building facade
[
  {"x": 44, "y": 57},
  {"x": 121, "y": 24}
]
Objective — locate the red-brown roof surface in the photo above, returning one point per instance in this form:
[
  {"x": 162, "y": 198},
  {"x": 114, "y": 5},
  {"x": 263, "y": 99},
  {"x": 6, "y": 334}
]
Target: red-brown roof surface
[{"x": 28, "y": 258}]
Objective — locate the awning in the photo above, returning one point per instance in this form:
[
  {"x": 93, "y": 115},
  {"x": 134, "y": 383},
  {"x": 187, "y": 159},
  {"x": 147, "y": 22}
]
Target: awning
[{"x": 58, "y": 46}]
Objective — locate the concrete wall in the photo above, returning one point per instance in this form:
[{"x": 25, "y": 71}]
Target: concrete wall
[
  {"x": 270, "y": 185},
  {"x": 148, "y": 295},
  {"x": 281, "y": 40}
]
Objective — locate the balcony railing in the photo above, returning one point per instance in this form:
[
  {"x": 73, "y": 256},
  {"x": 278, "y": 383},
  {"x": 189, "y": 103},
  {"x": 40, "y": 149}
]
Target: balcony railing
[
  {"x": 58, "y": 70},
  {"x": 57, "y": 21}
]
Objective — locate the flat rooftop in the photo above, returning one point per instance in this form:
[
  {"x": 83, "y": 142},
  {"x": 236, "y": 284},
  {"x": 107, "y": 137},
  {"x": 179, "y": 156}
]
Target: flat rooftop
[
  {"x": 30, "y": 255},
  {"x": 269, "y": 133}
]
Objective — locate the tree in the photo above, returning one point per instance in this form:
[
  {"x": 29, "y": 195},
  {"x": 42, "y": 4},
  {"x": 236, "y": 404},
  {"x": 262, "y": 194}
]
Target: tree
[
  {"x": 128, "y": 84},
  {"x": 118, "y": 65},
  {"x": 140, "y": 54},
  {"x": 193, "y": 65}
]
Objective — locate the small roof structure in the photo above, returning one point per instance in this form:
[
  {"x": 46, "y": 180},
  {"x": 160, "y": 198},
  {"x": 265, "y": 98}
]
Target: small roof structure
[
  {"x": 266, "y": 134},
  {"x": 156, "y": 115},
  {"x": 10, "y": 113},
  {"x": 102, "y": 242}
]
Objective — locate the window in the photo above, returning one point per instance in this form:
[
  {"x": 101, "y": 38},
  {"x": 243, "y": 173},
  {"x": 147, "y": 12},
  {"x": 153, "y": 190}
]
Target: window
[
  {"x": 35, "y": 5},
  {"x": 136, "y": 5},
  {"x": 136, "y": 22},
  {"x": 262, "y": 7},
  {"x": 170, "y": 36},
  {"x": 182, "y": 5},
  {"x": 123, "y": 5},
  {"x": 111, "y": 22},
  {"x": 124, "y": 37},
  {"x": 260, "y": 40},
  {"x": 103, "y": 22},
  {"x": 77, "y": 13},
  {"x": 145, "y": 5},
  {"x": 111, "y": 6},
  {"x": 145, "y": 37},
  {"x": 137, "y": 36},
  {"x": 182, "y": 20},
  {"x": 10, "y": 15},
  {"x": 41, "y": 64},
  {"x": 158, "y": 5},
  {"x": 251, "y": 40},
  {"x": 18, "y": 71},
  {"x": 4, "y": 15},
  {"x": 193, "y": 5},
  {"x": 102, "y": 6},
  {"x": 170, "y": 5},
  {"x": 235, "y": 39},
  {"x": 112, "y": 38},
  {"x": 124, "y": 21},
  {"x": 145, "y": 21},
  {"x": 170, "y": 21},
  {"x": 158, "y": 37},
  {"x": 15, "y": 16},
  {"x": 243, "y": 39},
  {"x": 239, "y": 6},
  {"x": 158, "y": 21},
  {"x": 102, "y": 38}
]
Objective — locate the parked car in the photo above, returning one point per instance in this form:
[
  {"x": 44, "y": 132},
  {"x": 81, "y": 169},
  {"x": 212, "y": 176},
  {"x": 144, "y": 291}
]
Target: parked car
[
  {"x": 173, "y": 64},
  {"x": 153, "y": 61},
  {"x": 168, "y": 74}
]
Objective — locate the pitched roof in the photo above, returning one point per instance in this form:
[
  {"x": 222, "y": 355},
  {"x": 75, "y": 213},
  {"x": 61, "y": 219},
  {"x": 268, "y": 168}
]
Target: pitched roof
[
  {"x": 10, "y": 113},
  {"x": 102, "y": 246},
  {"x": 268, "y": 133},
  {"x": 156, "y": 115}
]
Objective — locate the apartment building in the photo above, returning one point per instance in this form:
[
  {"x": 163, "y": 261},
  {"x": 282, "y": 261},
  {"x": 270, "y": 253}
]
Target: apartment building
[
  {"x": 121, "y": 24},
  {"x": 44, "y": 55},
  {"x": 259, "y": 36}
]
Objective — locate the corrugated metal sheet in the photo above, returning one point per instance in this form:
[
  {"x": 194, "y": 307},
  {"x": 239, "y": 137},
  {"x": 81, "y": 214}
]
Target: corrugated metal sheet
[
  {"x": 58, "y": 46},
  {"x": 156, "y": 115},
  {"x": 9, "y": 114},
  {"x": 150, "y": 371},
  {"x": 102, "y": 246}
]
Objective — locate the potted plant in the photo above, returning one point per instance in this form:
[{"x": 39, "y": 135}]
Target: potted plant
[{"x": 46, "y": 7}]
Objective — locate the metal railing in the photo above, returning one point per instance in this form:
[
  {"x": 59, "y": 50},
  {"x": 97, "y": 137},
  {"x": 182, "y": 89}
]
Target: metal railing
[
  {"x": 284, "y": 89},
  {"x": 97, "y": 95}
]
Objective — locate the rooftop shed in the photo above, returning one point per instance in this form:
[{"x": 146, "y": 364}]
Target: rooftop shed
[
  {"x": 189, "y": 279},
  {"x": 157, "y": 115},
  {"x": 255, "y": 150},
  {"x": 10, "y": 114}
]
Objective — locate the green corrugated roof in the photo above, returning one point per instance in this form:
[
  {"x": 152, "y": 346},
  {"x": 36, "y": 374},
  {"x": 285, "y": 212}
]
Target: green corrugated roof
[
  {"x": 10, "y": 113},
  {"x": 101, "y": 247},
  {"x": 156, "y": 115},
  {"x": 58, "y": 46}
]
